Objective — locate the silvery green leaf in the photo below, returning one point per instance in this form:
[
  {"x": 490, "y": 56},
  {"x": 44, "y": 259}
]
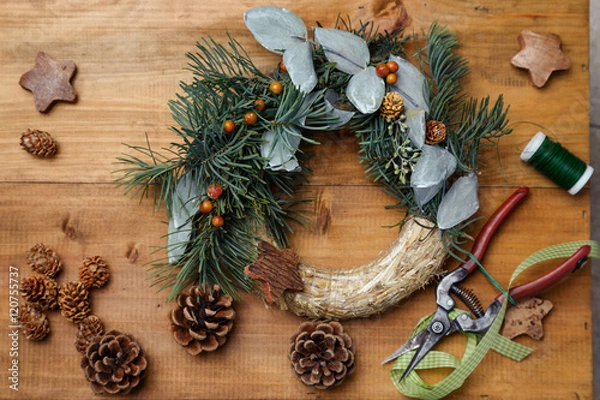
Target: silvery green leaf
[
  {"x": 415, "y": 119},
  {"x": 276, "y": 28},
  {"x": 183, "y": 206},
  {"x": 332, "y": 100},
  {"x": 411, "y": 85},
  {"x": 280, "y": 152},
  {"x": 299, "y": 63},
  {"x": 348, "y": 51},
  {"x": 431, "y": 170},
  {"x": 366, "y": 90},
  {"x": 460, "y": 202}
]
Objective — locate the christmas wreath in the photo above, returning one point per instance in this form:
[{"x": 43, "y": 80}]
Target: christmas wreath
[{"x": 229, "y": 182}]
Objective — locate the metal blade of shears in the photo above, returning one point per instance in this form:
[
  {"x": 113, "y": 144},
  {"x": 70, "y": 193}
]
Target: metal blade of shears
[
  {"x": 430, "y": 339},
  {"x": 412, "y": 344}
]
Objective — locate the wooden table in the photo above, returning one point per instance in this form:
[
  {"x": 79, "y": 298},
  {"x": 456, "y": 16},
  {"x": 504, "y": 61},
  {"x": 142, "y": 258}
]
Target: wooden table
[{"x": 130, "y": 58}]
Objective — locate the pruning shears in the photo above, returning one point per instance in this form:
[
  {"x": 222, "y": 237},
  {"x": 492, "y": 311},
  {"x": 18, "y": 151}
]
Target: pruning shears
[{"x": 441, "y": 325}]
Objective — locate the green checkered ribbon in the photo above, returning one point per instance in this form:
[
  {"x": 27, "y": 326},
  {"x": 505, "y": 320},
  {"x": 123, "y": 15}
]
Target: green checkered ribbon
[{"x": 477, "y": 346}]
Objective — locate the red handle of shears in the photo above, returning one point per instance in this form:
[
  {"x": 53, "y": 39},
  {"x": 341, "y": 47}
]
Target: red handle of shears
[
  {"x": 571, "y": 264},
  {"x": 488, "y": 230}
]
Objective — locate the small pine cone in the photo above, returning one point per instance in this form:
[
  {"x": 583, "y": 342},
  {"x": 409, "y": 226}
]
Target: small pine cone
[
  {"x": 39, "y": 143},
  {"x": 201, "y": 320},
  {"x": 40, "y": 290},
  {"x": 435, "y": 132},
  {"x": 114, "y": 363},
  {"x": 392, "y": 106},
  {"x": 73, "y": 299},
  {"x": 34, "y": 323},
  {"x": 44, "y": 260},
  {"x": 87, "y": 330},
  {"x": 321, "y": 354},
  {"x": 94, "y": 272}
]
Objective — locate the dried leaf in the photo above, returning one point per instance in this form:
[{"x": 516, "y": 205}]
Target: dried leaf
[
  {"x": 276, "y": 28},
  {"x": 415, "y": 119},
  {"x": 332, "y": 99},
  {"x": 460, "y": 202},
  {"x": 411, "y": 85},
  {"x": 433, "y": 167},
  {"x": 299, "y": 63},
  {"x": 348, "y": 51},
  {"x": 366, "y": 91},
  {"x": 184, "y": 205}
]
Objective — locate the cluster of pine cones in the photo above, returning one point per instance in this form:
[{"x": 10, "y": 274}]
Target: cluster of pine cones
[{"x": 113, "y": 362}]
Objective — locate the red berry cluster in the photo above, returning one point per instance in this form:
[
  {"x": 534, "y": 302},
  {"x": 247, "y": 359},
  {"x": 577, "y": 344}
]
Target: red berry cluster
[
  {"x": 214, "y": 191},
  {"x": 388, "y": 71}
]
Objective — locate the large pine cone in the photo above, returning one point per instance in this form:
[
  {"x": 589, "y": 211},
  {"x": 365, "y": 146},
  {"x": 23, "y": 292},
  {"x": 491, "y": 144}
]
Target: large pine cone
[
  {"x": 87, "y": 330},
  {"x": 321, "y": 354},
  {"x": 34, "y": 323},
  {"x": 40, "y": 290},
  {"x": 94, "y": 272},
  {"x": 201, "y": 320},
  {"x": 74, "y": 301},
  {"x": 43, "y": 260},
  {"x": 39, "y": 143},
  {"x": 114, "y": 363}
]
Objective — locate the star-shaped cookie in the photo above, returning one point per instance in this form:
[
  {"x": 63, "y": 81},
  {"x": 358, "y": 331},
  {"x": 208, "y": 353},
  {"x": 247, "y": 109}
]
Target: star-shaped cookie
[
  {"x": 50, "y": 81},
  {"x": 526, "y": 318},
  {"x": 541, "y": 55}
]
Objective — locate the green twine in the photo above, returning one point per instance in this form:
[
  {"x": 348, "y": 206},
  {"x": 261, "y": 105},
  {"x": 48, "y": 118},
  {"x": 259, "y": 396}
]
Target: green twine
[
  {"x": 491, "y": 279},
  {"x": 477, "y": 347},
  {"x": 557, "y": 163}
]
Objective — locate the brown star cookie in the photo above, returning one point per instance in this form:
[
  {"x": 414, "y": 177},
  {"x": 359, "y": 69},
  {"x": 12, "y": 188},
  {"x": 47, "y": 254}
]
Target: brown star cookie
[
  {"x": 526, "y": 318},
  {"x": 50, "y": 81}
]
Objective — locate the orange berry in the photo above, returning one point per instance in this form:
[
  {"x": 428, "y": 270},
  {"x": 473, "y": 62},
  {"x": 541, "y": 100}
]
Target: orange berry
[
  {"x": 390, "y": 79},
  {"x": 282, "y": 66},
  {"x": 228, "y": 126},
  {"x": 259, "y": 104},
  {"x": 250, "y": 118},
  {"x": 214, "y": 191},
  {"x": 276, "y": 87},
  {"x": 217, "y": 221},
  {"x": 206, "y": 206},
  {"x": 392, "y": 66},
  {"x": 382, "y": 70}
]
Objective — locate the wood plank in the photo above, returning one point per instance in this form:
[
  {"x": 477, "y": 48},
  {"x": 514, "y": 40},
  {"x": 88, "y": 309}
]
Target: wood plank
[{"x": 130, "y": 57}]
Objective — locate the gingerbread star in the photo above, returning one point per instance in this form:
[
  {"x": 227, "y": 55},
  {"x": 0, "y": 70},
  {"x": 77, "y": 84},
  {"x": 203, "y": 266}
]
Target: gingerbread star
[
  {"x": 277, "y": 270},
  {"x": 49, "y": 81},
  {"x": 526, "y": 318},
  {"x": 541, "y": 55}
]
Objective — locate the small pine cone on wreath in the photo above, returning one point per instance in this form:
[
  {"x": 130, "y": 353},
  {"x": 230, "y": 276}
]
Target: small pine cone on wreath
[
  {"x": 44, "y": 260},
  {"x": 435, "y": 132},
  {"x": 87, "y": 330},
  {"x": 40, "y": 290},
  {"x": 114, "y": 363},
  {"x": 74, "y": 302},
  {"x": 321, "y": 354},
  {"x": 94, "y": 272},
  {"x": 34, "y": 323},
  {"x": 39, "y": 143},
  {"x": 392, "y": 106},
  {"x": 202, "y": 320}
]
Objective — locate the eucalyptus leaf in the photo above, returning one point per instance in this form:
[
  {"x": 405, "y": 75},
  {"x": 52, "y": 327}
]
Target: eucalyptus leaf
[
  {"x": 177, "y": 240},
  {"x": 332, "y": 99},
  {"x": 276, "y": 28},
  {"x": 366, "y": 90},
  {"x": 183, "y": 206},
  {"x": 280, "y": 152},
  {"x": 411, "y": 85},
  {"x": 431, "y": 170},
  {"x": 461, "y": 202},
  {"x": 415, "y": 120},
  {"x": 348, "y": 51},
  {"x": 299, "y": 63}
]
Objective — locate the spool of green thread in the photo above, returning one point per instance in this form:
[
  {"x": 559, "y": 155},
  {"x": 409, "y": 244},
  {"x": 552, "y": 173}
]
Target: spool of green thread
[{"x": 557, "y": 163}]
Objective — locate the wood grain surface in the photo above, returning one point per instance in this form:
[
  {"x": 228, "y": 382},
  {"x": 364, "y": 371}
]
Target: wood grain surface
[{"x": 130, "y": 59}]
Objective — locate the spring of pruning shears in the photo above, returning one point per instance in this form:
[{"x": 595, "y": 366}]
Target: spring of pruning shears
[{"x": 441, "y": 325}]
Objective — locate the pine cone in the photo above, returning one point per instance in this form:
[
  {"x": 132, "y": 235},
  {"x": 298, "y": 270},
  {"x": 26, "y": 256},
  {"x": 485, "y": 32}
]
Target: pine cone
[
  {"x": 94, "y": 272},
  {"x": 73, "y": 299},
  {"x": 114, "y": 363},
  {"x": 87, "y": 330},
  {"x": 39, "y": 143},
  {"x": 40, "y": 290},
  {"x": 321, "y": 354},
  {"x": 43, "y": 260},
  {"x": 34, "y": 323},
  {"x": 201, "y": 320},
  {"x": 435, "y": 132},
  {"x": 392, "y": 106}
]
